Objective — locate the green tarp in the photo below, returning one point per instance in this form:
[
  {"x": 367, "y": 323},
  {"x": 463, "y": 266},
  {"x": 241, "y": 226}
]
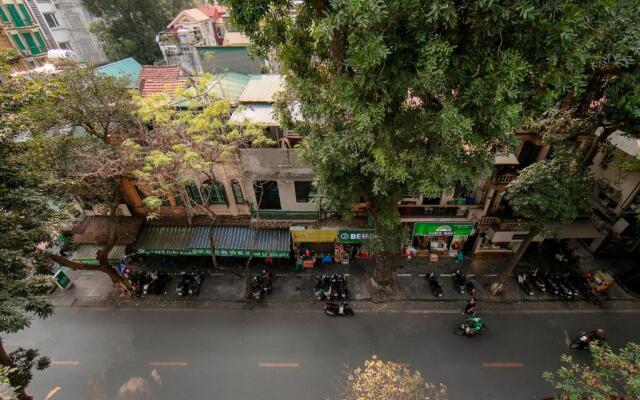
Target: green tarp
[{"x": 443, "y": 228}]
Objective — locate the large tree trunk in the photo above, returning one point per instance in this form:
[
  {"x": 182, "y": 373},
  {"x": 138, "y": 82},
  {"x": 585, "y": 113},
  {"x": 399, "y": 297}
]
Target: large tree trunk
[
  {"x": 6, "y": 361},
  {"x": 497, "y": 286},
  {"x": 383, "y": 272}
]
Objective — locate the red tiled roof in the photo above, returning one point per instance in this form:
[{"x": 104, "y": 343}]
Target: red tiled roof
[
  {"x": 213, "y": 12},
  {"x": 164, "y": 79}
]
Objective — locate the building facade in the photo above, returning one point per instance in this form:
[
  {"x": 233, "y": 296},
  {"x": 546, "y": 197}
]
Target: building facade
[
  {"x": 21, "y": 32},
  {"x": 67, "y": 25}
]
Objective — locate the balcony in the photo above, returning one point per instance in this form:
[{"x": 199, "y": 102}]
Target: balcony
[
  {"x": 503, "y": 179},
  {"x": 285, "y": 215}
]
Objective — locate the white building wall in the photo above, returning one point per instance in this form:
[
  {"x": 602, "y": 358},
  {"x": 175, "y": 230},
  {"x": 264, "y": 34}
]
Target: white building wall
[{"x": 73, "y": 28}]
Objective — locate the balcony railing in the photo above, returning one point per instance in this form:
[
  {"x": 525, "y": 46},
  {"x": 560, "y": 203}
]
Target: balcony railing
[
  {"x": 489, "y": 221},
  {"x": 286, "y": 215},
  {"x": 503, "y": 179}
]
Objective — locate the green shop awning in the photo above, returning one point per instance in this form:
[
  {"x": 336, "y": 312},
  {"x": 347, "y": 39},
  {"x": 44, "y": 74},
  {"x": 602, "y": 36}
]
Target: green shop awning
[
  {"x": 443, "y": 228},
  {"x": 239, "y": 241},
  {"x": 88, "y": 253},
  {"x": 244, "y": 241},
  {"x": 354, "y": 235}
]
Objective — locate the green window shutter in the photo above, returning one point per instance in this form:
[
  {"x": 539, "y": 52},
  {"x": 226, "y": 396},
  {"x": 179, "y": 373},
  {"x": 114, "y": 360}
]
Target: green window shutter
[
  {"x": 33, "y": 48},
  {"x": 3, "y": 15},
  {"x": 15, "y": 15},
  {"x": 43, "y": 45},
  {"x": 16, "y": 38},
  {"x": 237, "y": 191},
  {"x": 25, "y": 13}
]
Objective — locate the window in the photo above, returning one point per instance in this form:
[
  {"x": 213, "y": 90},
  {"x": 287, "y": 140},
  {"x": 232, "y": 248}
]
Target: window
[
  {"x": 303, "y": 191},
  {"x": 267, "y": 195},
  {"x": 65, "y": 46},
  {"x": 33, "y": 48},
  {"x": 3, "y": 15},
  {"x": 41, "y": 43},
  {"x": 25, "y": 13},
  {"x": 51, "y": 19},
  {"x": 15, "y": 16},
  {"x": 16, "y": 38},
  {"x": 237, "y": 191},
  {"x": 214, "y": 193}
]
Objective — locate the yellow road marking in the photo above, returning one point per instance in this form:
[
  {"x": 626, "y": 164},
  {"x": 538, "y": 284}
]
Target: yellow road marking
[
  {"x": 168, "y": 363},
  {"x": 502, "y": 365},
  {"x": 60, "y": 362},
  {"x": 279, "y": 365}
]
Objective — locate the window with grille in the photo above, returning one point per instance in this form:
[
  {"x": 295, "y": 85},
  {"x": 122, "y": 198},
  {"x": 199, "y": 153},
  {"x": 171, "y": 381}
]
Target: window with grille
[
  {"x": 237, "y": 191},
  {"x": 214, "y": 193}
]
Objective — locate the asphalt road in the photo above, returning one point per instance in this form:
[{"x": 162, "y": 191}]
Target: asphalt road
[{"x": 207, "y": 354}]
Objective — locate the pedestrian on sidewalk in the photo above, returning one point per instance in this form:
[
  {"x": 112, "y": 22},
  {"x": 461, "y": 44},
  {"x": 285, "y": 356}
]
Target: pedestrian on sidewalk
[{"x": 470, "y": 308}]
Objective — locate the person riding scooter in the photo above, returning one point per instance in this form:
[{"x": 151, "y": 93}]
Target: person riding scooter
[
  {"x": 586, "y": 339},
  {"x": 470, "y": 308}
]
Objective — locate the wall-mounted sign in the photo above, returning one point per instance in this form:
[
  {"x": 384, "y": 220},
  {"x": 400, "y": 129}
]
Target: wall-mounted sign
[
  {"x": 354, "y": 235},
  {"x": 314, "y": 235},
  {"x": 445, "y": 228}
]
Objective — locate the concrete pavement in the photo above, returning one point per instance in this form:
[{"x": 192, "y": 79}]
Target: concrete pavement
[{"x": 130, "y": 353}]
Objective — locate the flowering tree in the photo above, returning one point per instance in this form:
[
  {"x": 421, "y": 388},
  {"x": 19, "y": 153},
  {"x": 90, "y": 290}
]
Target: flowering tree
[{"x": 386, "y": 380}]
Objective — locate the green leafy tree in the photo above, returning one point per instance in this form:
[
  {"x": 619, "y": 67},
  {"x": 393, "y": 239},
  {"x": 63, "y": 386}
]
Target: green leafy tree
[
  {"x": 77, "y": 121},
  {"x": 610, "y": 375},
  {"x": 414, "y": 96},
  {"x": 545, "y": 196},
  {"x": 186, "y": 150},
  {"x": 129, "y": 28},
  {"x": 26, "y": 220},
  {"x": 386, "y": 380}
]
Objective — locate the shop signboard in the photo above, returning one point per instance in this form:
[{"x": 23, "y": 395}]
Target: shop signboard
[
  {"x": 176, "y": 252},
  {"x": 314, "y": 235},
  {"x": 443, "y": 228},
  {"x": 354, "y": 235},
  {"x": 62, "y": 280},
  {"x": 219, "y": 252}
]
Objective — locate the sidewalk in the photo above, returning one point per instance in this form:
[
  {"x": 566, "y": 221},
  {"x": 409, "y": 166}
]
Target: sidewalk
[{"x": 295, "y": 288}]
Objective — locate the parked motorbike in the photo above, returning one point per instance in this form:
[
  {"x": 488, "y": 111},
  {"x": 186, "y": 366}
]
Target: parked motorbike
[
  {"x": 581, "y": 283},
  {"x": 139, "y": 281},
  {"x": 471, "y": 327},
  {"x": 158, "y": 282},
  {"x": 335, "y": 309},
  {"x": 326, "y": 286},
  {"x": 261, "y": 284},
  {"x": 525, "y": 285},
  {"x": 343, "y": 289},
  {"x": 567, "y": 282},
  {"x": 564, "y": 291},
  {"x": 436, "y": 288},
  {"x": 537, "y": 278},
  {"x": 552, "y": 286},
  {"x": 318, "y": 289},
  {"x": 585, "y": 340},
  {"x": 182, "y": 289},
  {"x": 331, "y": 287},
  {"x": 196, "y": 283},
  {"x": 459, "y": 280}
]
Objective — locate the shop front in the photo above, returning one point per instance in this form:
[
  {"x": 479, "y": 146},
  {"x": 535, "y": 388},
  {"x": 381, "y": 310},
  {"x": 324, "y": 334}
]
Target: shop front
[
  {"x": 224, "y": 241},
  {"x": 313, "y": 246},
  {"x": 350, "y": 244},
  {"x": 442, "y": 237}
]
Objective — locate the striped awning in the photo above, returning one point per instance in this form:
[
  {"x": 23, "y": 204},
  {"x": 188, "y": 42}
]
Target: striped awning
[
  {"x": 88, "y": 253},
  {"x": 241, "y": 241}
]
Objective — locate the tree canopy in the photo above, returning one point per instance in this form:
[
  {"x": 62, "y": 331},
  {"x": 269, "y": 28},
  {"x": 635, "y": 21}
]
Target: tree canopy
[
  {"x": 610, "y": 375},
  {"x": 414, "y": 96},
  {"x": 27, "y": 218},
  {"x": 129, "y": 28},
  {"x": 386, "y": 380}
]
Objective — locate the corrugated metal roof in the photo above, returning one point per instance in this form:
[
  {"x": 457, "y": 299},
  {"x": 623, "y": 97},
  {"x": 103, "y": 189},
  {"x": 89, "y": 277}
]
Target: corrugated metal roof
[
  {"x": 627, "y": 144},
  {"x": 220, "y": 59},
  {"x": 262, "y": 89},
  {"x": 173, "y": 237},
  {"x": 90, "y": 252},
  {"x": 235, "y": 39},
  {"x": 96, "y": 229},
  {"x": 127, "y": 67},
  {"x": 226, "y": 237},
  {"x": 260, "y": 114},
  {"x": 505, "y": 159}
]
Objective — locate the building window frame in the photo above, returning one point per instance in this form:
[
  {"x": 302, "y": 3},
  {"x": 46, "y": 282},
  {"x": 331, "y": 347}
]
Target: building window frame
[
  {"x": 52, "y": 20},
  {"x": 238, "y": 196},
  {"x": 214, "y": 193},
  {"x": 26, "y": 14},
  {"x": 3, "y": 16},
  {"x": 17, "y": 20},
  {"x": 303, "y": 191}
]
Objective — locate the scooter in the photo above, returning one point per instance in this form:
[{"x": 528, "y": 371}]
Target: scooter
[
  {"x": 585, "y": 340},
  {"x": 563, "y": 291},
  {"x": 471, "y": 327},
  {"x": 159, "y": 280},
  {"x": 326, "y": 286},
  {"x": 196, "y": 283},
  {"x": 538, "y": 280},
  {"x": 335, "y": 309},
  {"x": 523, "y": 281},
  {"x": 436, "y": 288},
  {"x": 182, "y": 289},
  {"x": 470, "y": 287},
  {"x": 552, "y": 286},
  {"x": 459, "y": 280},
  {"x": 343, "y": 290},
  {"x": 318, "y": 288},
  {"x": 257, "y": 291}
]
